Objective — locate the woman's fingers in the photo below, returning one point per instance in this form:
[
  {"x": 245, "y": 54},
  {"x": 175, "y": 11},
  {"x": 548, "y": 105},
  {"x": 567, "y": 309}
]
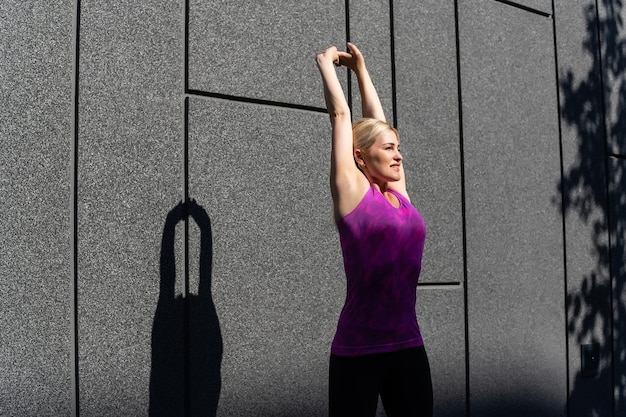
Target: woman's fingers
[
  {"x": 352, "y": 47},
  {"x": 344, "y": 58},
  {"x": 349, "y": 58},
  {"x": 328, "y": 53}
]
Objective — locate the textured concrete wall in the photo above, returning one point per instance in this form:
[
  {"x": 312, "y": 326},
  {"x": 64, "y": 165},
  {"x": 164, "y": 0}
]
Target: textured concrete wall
[
  {"x": 612, "y": 35},
  {"x": 130, "y": 176},
  {"x": 617, "y": 203},
  {"x": 35, "y": 165},
  {"x": 584, "y": 204},
  {"x": 227, "y": 306},
  {"x": 515, "y": 305},
  {"x": 276, "y": 277}
]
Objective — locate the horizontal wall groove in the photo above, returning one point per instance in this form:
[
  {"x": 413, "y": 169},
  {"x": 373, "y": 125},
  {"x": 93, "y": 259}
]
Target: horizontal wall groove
[
  {"x": 199, "y": 93},
  {"x": 617, "y": 156},
  {"x": 440, "y": 285},
  {"x": 525, "y": 8}
]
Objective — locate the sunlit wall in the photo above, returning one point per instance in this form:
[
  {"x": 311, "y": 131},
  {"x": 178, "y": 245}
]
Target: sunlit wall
[{"x": 168, "y": 244}]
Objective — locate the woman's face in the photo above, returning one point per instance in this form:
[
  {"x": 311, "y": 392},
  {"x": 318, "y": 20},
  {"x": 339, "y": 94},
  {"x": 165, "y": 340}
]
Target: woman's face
[{"x": 383, "y": 159}]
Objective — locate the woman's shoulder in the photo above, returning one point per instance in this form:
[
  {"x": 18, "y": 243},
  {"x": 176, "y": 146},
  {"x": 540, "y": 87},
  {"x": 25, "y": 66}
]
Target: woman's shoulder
[{"x": 348, "y": 197}]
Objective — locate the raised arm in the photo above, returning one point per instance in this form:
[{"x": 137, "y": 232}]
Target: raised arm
[
  {"x": 370, "y": 102},
  {"x": 371, "y": 106},
  {"x": 347, "y": 183}
]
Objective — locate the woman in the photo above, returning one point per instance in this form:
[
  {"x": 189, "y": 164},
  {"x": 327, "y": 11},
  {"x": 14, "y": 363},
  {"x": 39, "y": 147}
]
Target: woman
[{"x": 378, "y": 348}]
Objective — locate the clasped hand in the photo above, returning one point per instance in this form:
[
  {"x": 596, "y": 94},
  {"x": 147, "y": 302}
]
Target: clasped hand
[{"x": 353, "y": 58}]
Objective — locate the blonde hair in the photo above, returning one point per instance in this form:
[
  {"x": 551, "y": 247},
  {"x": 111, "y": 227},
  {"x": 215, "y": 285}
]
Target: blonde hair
[{"x": 366, "y": 130}]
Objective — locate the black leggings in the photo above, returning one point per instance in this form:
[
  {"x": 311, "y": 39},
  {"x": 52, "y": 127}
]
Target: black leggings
[{"x": 401, "y": 378}]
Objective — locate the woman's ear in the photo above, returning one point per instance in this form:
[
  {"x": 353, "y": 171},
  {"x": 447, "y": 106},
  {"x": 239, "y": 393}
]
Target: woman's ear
[{"x": 358, "y": 157}]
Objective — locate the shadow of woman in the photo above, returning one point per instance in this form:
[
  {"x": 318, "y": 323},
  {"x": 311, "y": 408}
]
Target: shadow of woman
[{"x": 185, "y": 377}]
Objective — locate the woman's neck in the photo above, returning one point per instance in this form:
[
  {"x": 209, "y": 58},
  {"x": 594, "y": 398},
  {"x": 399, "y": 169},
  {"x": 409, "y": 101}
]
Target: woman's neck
[{"x": 382, "y": 187}]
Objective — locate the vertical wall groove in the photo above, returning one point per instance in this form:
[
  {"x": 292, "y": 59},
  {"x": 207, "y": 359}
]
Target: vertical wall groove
[
  {"x": 186, "y": 312},
  {"x": 186, "y": 48},
  {"x": 392, "y": 41},
  {"x": 349, "y": 75},
  {"x": 463, "y": 209},
  {"x": 74, "y": 214},
  {"x": 607, "y": 180},
  {"x": 563, "y": 210}
]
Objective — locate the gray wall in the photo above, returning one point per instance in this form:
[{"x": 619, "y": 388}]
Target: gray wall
[
  {"x": 514, "y": 236},
  {"x": 117, "y": 299},
  {"x": 35, "y": 189}
]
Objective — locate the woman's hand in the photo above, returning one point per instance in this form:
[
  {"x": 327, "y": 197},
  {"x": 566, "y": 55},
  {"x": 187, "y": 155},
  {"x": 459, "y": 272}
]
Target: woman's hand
[
  {"x": 352, "y": 59},
  {"x": 328, "y": 56}
]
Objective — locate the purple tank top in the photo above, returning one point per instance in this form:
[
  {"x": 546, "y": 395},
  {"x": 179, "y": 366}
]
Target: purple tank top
[{"x": 382, "y": 256}]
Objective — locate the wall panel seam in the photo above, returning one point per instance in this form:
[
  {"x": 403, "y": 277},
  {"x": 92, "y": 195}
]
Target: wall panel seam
[
  {"x": 525, "y": 8},
  {"x": 392, "y": 41},
  {"x": 563, "y": 211},
  {"x": 185, "y": 183},
  {"x": 607, "y": 197},
  {"x": 463, "y": 203},
  {"x": 74, "y": 214},
  {"x": 240, "y": 99},
  {"x": 348, "y": 73}
]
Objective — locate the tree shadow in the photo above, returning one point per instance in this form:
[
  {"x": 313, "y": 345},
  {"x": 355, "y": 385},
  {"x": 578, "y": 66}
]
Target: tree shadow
[
  {"x": 592, "y": 188},
  {"x": 185, "y": 378}
]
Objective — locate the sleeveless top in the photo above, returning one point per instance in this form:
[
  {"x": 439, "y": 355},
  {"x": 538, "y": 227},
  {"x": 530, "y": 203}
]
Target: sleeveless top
[{"x": 382, "y": 254}]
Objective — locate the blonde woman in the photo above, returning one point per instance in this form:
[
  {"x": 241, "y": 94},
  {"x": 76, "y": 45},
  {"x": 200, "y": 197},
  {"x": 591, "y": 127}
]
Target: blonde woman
[{"x": 377, "y": 348}]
